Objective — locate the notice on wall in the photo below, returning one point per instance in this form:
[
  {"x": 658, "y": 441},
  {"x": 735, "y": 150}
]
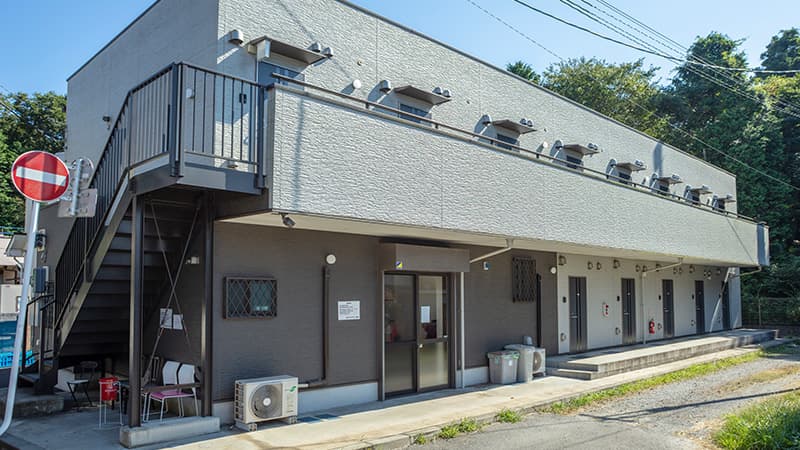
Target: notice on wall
[
  {"x": 425, "y": 314},
  {"x": 166, "y": 318},
  {"x": 350, "y": 310},
  {"x": 177, "y": 321}
]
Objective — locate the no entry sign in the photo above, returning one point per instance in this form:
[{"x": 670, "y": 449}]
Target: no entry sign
[{"x": 40, "y": 176}]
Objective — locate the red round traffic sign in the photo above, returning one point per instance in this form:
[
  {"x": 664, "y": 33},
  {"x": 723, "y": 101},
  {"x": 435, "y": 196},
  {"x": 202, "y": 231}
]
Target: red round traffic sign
[{"x": 40, "y": 176}]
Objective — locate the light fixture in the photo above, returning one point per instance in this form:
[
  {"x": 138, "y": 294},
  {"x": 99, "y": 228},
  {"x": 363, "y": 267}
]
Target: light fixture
[
  {"x": 562, "y": 260},
  {"x": 330, "y": 259},
  {"x": 16, "y": 247},
  {"x": 638, "y": 268},
  {"x": 616, "y": 264},
  {"x": 598, "y": 265},
  {"x": 553, "y": 270},
  {"x": 589, "y": 265},
  {"x": 356, "y": 84},
  {"x": 287, "y": 221},
  {"x": 486, "y": 265},
  {"x": 235, "y": 37},
  {"x": 644, "y": 268},
  {"x": 691, "y": 269}
]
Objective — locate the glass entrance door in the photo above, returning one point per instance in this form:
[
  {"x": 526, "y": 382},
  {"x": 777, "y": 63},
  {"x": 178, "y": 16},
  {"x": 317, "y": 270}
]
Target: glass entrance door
[{"x": 416, "y": 341}]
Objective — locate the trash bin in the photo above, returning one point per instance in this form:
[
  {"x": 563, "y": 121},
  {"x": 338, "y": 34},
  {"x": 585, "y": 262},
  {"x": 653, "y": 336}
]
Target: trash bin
[
  {"x": 525, "y": 364},
  {"x": 109, "y": 388},
  {"x": 503, "y": 366}
]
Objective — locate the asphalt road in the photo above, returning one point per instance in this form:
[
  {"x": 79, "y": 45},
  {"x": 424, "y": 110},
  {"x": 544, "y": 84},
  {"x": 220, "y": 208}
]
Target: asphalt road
[{"x": 681, "y": 415}]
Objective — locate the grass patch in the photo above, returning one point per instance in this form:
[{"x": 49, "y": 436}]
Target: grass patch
[
  {"x": 420, "y": 439},
  {"x": 509, "y": 416},
  {"x": 697, "y": 370},
  {"x": 468, "y": 426},
  {"x": 771, "y": 424},
  {"x": 449, "y": 432}
]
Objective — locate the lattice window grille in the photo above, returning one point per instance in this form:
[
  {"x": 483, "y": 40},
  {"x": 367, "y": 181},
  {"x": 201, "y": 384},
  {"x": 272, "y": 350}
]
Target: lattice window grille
[
  {"x": 250, "y": 297},
  {"x": 523, "y": 279}
]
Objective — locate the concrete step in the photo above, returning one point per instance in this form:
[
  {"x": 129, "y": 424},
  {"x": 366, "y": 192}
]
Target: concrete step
[
  {"x": 603, "y": 363},
  {"x": 26, "y": 404}
]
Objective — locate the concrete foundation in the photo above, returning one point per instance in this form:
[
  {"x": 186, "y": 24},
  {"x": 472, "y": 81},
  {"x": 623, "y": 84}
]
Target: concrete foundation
[
  {"x": 171, "y": 430},
  {"x": 26, "y": 404}
]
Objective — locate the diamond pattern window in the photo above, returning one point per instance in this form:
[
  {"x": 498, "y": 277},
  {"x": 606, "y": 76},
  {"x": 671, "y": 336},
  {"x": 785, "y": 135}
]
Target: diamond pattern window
[
  {"x": 250, "y": 297},
  {"x": 523, "y": 279}
]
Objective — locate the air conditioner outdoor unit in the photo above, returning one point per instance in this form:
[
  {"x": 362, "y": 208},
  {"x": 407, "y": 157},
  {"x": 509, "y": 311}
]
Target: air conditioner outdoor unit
[
  {"x": 538, "y": 361},
  {"x": 261, "y": 399}
]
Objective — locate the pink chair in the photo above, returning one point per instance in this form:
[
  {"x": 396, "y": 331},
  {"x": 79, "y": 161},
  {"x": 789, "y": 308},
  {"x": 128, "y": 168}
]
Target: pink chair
[{"x": 172, "y": 373}]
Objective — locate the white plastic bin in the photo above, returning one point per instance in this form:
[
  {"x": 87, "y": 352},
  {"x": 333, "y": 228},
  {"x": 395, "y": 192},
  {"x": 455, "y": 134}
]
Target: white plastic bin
[
  {"x": 525, "y": 363},
  {"x": 503, "y": 366}
]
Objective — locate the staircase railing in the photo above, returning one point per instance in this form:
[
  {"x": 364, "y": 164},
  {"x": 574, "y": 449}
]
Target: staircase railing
[{"x": 181, "y": 111}]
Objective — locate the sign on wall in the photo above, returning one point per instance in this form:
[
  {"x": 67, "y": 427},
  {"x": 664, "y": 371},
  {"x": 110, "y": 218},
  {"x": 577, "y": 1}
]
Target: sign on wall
[{"x": 350, "y": 310}]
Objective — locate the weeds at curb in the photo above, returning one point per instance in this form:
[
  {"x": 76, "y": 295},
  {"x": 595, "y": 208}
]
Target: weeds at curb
[
  {"x": 508, "y": 416},
  {"x": 420, "y": 439},
  {"x": 449, "y": 432}
]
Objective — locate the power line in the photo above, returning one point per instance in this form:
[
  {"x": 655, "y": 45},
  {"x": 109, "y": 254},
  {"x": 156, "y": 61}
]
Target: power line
[
  {"x": 786, "y": 108},
  {"x": 19, "y": 115},
  {"x": 649, "y": 112}
]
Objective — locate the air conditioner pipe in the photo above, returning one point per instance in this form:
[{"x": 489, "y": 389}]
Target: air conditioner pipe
[
  {"x": 326, "y": 294},
  {"x": 642, "y": 275},
  {"x": 509, "y": 244}
]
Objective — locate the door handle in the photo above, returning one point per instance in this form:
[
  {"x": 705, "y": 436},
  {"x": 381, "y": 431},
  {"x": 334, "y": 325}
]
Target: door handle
[{"x": 420, "y": 345}]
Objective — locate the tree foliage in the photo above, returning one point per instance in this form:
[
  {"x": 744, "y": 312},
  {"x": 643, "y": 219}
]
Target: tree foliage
[
  {"x": 524, "y": 70},
  {"x": 783, "y": 51},
  {"x": 27, "y": 122}
]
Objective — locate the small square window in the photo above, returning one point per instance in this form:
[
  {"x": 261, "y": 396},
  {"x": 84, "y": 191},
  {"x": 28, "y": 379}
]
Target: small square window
[
  {"x": 523, "y": 279},
  {"x": 507, "y": 139},
  {"x": 250, "y": 297},
  {"x": 265, "y": 71},
  {"x": 624, "y": 177},
  {"x": 663, "y": 188},
  {"x": 413, "y": 113}
]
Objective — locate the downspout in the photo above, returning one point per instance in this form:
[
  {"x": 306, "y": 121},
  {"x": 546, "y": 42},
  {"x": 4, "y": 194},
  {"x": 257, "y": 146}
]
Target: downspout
[
  {"x": 642, "y": 276},
  {"x": 326, "y": 294}
]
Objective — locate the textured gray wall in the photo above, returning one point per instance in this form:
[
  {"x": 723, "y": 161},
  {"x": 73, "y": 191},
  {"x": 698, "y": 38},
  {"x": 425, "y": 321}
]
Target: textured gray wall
[
  {"x": 491, "y": 319},
  {"x": 291, "y": 342},
  {"x": 371, "y": 49},
  {"x": 378, "y": 169}
]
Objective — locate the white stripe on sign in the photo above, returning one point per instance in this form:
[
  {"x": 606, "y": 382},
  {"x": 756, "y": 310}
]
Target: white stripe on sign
[{"x": 41, "y": 177}]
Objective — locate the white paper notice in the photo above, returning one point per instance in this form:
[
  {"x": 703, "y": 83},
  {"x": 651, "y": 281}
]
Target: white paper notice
[
  {"x": 177, "y": 322},
  {"x": 350, "y": 310},
  {"x": 425, "y": 314},
  {"x": 166, "y": 318}
]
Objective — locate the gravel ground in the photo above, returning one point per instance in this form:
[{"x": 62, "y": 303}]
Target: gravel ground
[{"x": 678, "y": 415}]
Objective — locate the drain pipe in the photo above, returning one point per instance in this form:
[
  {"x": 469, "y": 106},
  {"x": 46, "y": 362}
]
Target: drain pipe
[
  {"x": 642, "y": 276},
  {"x": 509, "y": 246},
  {"x": 326, "y": 294}
]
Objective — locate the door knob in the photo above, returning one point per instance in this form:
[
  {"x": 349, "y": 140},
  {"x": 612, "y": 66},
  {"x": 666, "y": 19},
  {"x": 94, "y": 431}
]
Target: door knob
[{"x": 420, "y": 345}]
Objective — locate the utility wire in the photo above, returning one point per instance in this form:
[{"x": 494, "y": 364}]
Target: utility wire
[
  {"x": 726, "y": 79},
  {"x": 649, "y": 112},
  {"x": 730, "y": 83}
]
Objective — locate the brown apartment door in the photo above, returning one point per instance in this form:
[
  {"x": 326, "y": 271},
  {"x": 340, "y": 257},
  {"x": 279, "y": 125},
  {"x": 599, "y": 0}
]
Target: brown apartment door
[
  {"x": 700, "y": 306},
  {"x": 726, "y": 307},
  {"x": 628, "y": 311},
  {"x": 577, "y": 314},
  {"x": 416, "y": 338},
  {"x": 668, "y": 303}
]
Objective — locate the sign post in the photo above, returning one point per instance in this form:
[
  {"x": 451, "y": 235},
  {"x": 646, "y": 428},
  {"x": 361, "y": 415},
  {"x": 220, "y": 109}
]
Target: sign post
[{"x": 40, "y": 177}]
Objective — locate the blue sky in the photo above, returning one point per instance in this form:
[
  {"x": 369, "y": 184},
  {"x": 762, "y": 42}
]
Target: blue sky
[{"x": 44, "y": 41}]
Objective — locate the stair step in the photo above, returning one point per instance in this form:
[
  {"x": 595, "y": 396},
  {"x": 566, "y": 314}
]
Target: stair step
[
  {"x": 149, "y": 244},
  {"x": 574, "y": 373},
  {"x": 98, "y": 338},
  {"x": 122, "y": 273},
  {"x": 123, "y": 258},
  {"x": 167, "y": 230},
  {"x": 99, "y": 326}
]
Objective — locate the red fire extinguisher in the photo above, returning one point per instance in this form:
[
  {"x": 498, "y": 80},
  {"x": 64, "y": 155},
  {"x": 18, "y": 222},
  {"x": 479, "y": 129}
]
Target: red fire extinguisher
[{"x": 652, "y": 326}]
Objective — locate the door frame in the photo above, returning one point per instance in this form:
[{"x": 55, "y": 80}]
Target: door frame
[
  {"x": 448, "y": 285},
  {"x": 631, "y": 338},
  {"x": 582, "y": 319},
  {"x": 671, "y": 327}
]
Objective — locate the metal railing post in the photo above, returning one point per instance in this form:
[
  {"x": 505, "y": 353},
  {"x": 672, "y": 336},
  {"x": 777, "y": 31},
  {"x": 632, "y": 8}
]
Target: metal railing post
[
  {"x": 260, "y": 150},
  {"x": 173, "y": 126}
]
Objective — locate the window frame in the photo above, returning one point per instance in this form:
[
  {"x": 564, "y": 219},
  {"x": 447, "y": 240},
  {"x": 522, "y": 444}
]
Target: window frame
[
  {"x": 412, "y": 113},
  {"x": 250, "y": 314},
  {"x": 518, "y": 293},
  {"x": 501, "y": 139}
]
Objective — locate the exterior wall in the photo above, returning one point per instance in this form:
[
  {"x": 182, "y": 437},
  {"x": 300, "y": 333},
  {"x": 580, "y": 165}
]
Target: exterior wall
[
  {"x": 372, "y": 49},
  {"x": 376, "y": 168},
  {"x": 170, "y": 31},
  {"x": 604, "y": 286},
  {"x": 491, "y": 319},
  {"x": 291, "y": 342}
]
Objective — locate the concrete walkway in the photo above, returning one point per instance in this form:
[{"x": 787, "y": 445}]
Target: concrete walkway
[{"x": 395, "y": 423}]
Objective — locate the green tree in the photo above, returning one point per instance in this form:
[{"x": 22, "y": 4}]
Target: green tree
[
  {"x": 524, "y": 70},
  {"x": 783, "y": 51},
  {"x": 611, "y": 89},
  {"x": 27, "y": 122}
]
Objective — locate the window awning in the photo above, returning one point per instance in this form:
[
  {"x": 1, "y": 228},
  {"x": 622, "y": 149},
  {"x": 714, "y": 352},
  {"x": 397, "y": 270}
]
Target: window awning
[
  {"x": 264, "y": 46},
  {"x": 517, "y": 127},
  {"x": 584, "y": 150},
  {"x": 421, "y": 94},
  {"x": 634, "y": 166},
  {"x": 672, "y": 179},
  {"x": 727, "y": 199},
  {"x": 703, "y": 189}
]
